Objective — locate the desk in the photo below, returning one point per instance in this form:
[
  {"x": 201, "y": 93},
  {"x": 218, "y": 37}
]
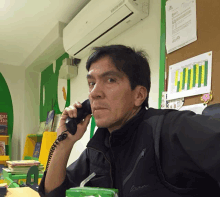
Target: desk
[{"x": 21, "y": 192}]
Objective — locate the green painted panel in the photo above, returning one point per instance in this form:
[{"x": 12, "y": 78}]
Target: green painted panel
[
  {"x": 7, "y": 107},
  {"x": 49, "y": 80}
]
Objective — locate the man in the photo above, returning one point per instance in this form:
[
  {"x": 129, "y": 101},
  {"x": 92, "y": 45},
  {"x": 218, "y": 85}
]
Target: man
[{"x": 139, "y": 151}]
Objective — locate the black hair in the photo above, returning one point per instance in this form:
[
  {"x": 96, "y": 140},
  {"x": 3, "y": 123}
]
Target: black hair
[{"x": 126, "y": 59}]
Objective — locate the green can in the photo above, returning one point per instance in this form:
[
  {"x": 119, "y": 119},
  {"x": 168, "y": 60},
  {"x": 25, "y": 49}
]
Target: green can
[{"x": 91, "y": 192}]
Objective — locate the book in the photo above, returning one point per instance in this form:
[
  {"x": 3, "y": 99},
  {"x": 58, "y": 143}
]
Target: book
[
  {"x": 17, "y": 168},
  {"x": 1, "y": 168},
  {"x": 41, "y": 127},
  {"x": 37, "y": 149},
  {"x": 2, "y": 148},
  {"x": 3, "y": 123},
  {"x": 49, "y": 120},
  {"x": 56, "y": 122},
  {"x": 22, "y": 169},
  {"x": 22, "y": 163},
  {"x": 4, "y": 185}
]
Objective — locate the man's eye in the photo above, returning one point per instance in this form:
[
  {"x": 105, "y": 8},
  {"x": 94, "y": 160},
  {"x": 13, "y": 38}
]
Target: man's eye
[
  {"x": 91, "y": 84},
  {"x": 111, "y": 80}
]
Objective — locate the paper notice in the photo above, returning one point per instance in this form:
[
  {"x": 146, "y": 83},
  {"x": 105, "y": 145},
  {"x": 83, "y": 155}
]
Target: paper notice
[{"x": 180, "y": 24}]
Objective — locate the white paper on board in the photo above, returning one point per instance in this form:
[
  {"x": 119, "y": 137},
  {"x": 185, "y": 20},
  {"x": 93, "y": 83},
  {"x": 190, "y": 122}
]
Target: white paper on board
[
  {"x": 197, "y": 108},
  {"x": 180, "y": 24}
]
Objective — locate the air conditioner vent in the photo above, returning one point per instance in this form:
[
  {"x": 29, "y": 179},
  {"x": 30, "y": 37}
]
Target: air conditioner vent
[
  {"x": 117, "y": 6},
  {"x": 103, "y": 34}
]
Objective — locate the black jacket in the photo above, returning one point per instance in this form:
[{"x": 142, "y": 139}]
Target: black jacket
[{"x": 156, "y": 153}]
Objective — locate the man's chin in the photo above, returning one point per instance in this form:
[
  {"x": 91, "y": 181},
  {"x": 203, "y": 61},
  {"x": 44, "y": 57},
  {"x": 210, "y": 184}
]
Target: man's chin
[{"x": 101, "y": 124}]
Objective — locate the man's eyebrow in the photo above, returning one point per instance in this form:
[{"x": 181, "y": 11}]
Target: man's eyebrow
[
  {"x": 89, "y": 76},
  {"x": 112, "y": 73}
]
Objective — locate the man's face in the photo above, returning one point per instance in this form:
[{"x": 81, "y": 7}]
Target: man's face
[{"x": 110, "y": 94}]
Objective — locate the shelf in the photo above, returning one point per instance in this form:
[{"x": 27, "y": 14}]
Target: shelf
[
  {"x": 35, "y": 135},
  {"x": 31, "y": 158},
  {"x": 4, "y": 138},
  {"x": 4, "y": 158}
]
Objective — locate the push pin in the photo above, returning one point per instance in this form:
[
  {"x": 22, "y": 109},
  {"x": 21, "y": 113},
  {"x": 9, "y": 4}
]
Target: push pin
[{"x": 206, "y": 97}]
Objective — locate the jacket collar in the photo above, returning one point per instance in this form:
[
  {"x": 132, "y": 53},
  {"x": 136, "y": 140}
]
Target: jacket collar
[{"x": 102, "y": 138}]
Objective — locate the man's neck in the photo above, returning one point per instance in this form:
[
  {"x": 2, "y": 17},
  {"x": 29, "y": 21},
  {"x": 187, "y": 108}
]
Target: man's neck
[{"x": 133, "y": 113}]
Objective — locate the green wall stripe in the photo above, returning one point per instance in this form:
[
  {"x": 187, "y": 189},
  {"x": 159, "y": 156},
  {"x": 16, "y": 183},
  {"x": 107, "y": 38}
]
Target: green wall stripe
[
  {"x": 162, "y": 51},
  {"x": 92, "y": 127}
]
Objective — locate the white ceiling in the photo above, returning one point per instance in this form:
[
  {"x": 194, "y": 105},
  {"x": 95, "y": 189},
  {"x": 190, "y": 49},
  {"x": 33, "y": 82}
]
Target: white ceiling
[{"x": 25, "y": 23}]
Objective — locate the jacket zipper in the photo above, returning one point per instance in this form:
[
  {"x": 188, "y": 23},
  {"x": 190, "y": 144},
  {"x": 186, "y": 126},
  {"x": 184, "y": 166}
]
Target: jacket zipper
[
  {"x": 120, "y": 189},
  {"x": 108, "y": 162},
  {"x": 137, "y": 161}
]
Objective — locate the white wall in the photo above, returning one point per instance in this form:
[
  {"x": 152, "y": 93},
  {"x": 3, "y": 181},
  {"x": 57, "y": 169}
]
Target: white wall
[
  {"x": 24, "y": 89},
  {"x": 144, "y": 35},
  {"x": 31, "y": 109},
  {"x": 15, "y": 79}
]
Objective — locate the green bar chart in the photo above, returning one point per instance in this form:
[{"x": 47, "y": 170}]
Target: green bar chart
[
  {"x": 190, "y": 77},
  {"x": 197, "y": 76}
]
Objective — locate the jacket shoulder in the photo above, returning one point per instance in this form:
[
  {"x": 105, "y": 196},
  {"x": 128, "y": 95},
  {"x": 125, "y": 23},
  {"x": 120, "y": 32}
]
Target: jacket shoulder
[{"x": 153, "y": 113}]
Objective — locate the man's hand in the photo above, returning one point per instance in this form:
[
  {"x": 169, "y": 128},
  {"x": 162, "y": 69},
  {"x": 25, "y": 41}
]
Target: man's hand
[
  {"x": 71, "y": 111},
  {"x": 57, "y": 169}
]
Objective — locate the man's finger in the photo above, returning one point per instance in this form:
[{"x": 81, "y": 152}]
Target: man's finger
[{"x": 86, "y": 120}]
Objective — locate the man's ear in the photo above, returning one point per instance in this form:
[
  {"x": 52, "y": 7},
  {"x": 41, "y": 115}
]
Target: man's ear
[{"x": 140, "y": 95}]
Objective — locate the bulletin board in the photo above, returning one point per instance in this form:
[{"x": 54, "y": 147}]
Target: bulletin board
[{"x": 208, "y": 39}]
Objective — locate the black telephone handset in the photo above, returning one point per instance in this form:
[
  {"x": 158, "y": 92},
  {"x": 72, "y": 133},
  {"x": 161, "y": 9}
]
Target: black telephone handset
[{"x": 71, "y": 123}]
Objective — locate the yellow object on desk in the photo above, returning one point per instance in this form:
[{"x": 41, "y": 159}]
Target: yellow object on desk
[{"x": 22, "y": 192}]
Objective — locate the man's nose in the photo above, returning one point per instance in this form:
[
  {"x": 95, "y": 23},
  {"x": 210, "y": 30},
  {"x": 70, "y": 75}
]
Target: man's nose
[{"x": 97, "y": 91}]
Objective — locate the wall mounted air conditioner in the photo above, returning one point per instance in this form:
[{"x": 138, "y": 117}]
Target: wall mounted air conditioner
[{"x": 99, "y": 22}]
